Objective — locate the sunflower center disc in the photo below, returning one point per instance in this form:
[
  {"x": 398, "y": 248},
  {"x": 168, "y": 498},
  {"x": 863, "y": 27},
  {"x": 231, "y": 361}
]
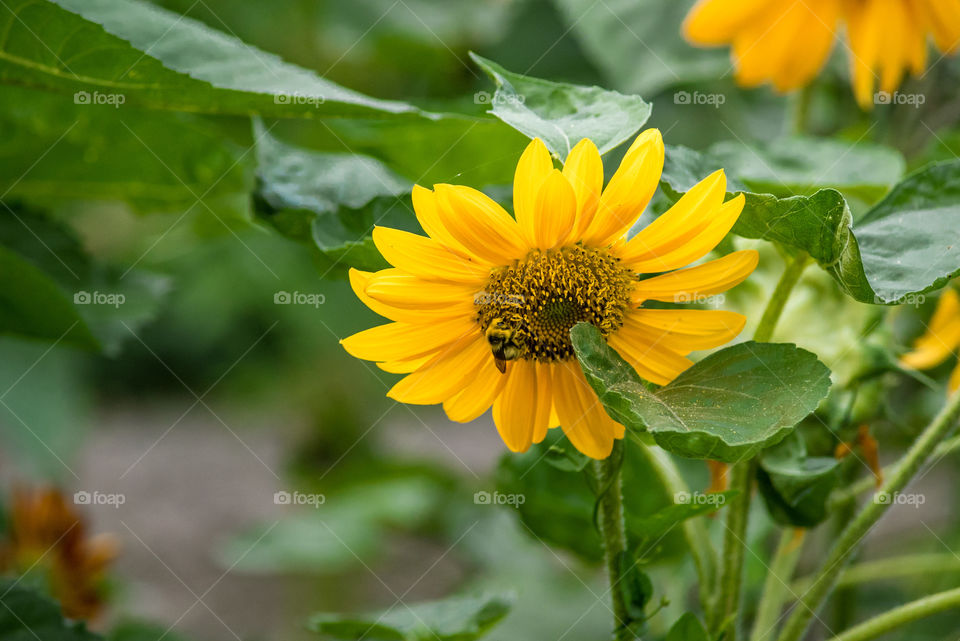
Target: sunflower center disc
[{"x": 541, "y": 297}]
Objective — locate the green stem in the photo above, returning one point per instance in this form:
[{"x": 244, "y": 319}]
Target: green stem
[
  {"x": 694, "y": 530},
  {"x": 775, "y": 586},
  {"x": 778, "y": 300},
  {"x": 869, "y": 514},
  {"x": 801, "y": 110},
  {"x": 734, "y": 544},
  {"x": 907, "y": 613},
  {"x": 888, "y": 569},
  {"x": 613, "y": 531}
]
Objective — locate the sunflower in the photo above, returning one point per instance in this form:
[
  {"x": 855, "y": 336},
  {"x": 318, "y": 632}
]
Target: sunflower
[
  {"x": 940, "y": 341},
  {"x": 48, "y": 538},
  {"x": 483, "y": 305},
  {"x": 786, "y": 43}
]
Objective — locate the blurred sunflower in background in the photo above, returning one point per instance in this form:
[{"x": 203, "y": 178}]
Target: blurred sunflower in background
[
  {"x": 47, "y": 541},
  {"x": 941, "y": 340},
  {"x": 483, "y": 305},
  {"x": 787, "y": 42}
]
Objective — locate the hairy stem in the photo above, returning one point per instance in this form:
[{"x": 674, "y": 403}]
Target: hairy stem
[
  {"x": 907, "y": 613},
  {"x": 734, "y": 544},
  {"x": 777, "y": 584},
  {"x": 613, "y": 531},
  {"x": 869, "y": 514}
]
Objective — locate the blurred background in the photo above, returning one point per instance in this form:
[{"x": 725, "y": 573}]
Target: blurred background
[{"x": 222, "y": 392}]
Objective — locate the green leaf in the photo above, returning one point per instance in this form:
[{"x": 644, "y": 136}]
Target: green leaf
[
  {"x": 561, "y": 114},
  {"x": 130, "y": 52},
  {"x": 56, "y": 150},
  {"x": 636, "y": 588},
  {"x": 460, "y": 618},
  {"x": 907, "y": 244},
  {"x": 28, "y": 616},
  {"x": 637, "y": 43},
  {"x": 687, "y": 628},
  {"x": 798, "y": 166},
  {"x": 111, "y": 301},
  {"x": 331, "y": 201},
  {"x": 794, "y": 486},
  {"x": 32, "y": 305},
  {"x": 727, "y": 407}
]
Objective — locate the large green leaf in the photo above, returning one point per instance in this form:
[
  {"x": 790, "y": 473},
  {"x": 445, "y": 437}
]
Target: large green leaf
[
  {"x": 132, "y": 52},
  {"x": 461, "y": 618},
  {"x": 111, "y": 301},
  {"x": 637, "y": 43},
  {"x": 907, "y": 244},
  {"x": 562, "y": 114},
  {"x": 688, "y": 628},
  {"x": 727, "y": 407},
  {"x": 798, "y": 165},
  {"x": 28, "y": 616},
  {"x": 55, "y": 150},
  {"x": 795, "y": 486},
  {"x": 331, "y": 201},
  {"x": 32, "y": 305}
]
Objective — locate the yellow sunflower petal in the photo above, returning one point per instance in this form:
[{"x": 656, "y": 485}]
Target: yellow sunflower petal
[
  {"x": 555, "y": 211},
  {"x": 865, "y": 42},
  {"x": 397, "y": 288},
  {"x": 584, "y": 169},
  {"x": 515, "y": 410},
  {"x": 810, "y": 43},
  {"x": 689, "y": 285},
  {"x": 407, "y": 366},
  {"x": 942, "y": 336},
  {"x": 685, "y": 330},
  {"x": 445, "y": 375},
  {"x": 954, "y": 383},
  {"x": 629, "y": 191},
  {"x": 719, "y": 223},
  {"x": 944, "y": 21},
  {"x": 661, "y": 363},
  {"x": 580, "y": 413},
  {"x": 480, "y": 224},
  {"x": 402, "y": 341},
  {"x": 477, "y": 397},
  {"x": 359, "y": 281},
  {"x": 715, "y": 22},
  {"x": 427, "y": 258},
  {"x": 428, "y": 215},
  {"x": 541, "y": 423},
  {"x": 533, "y": 168}
]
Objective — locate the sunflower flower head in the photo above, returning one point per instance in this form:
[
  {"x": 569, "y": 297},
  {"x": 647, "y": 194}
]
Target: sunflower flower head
[
  {"x": 786, "y": 43},
  {"x": 940, "y": 341},
  {"x": 482, "y": 306},
  {"x": 47, "y": 539}
]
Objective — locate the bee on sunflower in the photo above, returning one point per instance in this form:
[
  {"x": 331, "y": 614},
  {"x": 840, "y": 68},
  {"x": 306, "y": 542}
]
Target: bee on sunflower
[
  {"x": 940, "y": 341},
  {"x": 48, "y": 539},
  {"x": 787, "y": 43},
  {"x": 482, "y": 306}
]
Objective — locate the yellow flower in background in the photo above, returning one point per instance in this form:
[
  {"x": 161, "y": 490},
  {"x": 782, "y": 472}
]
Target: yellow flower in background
[
  {"x": 941, "y": 340},
  {"x": 46, "y": 536},
  {"x": 483, "y": 305},
  {"x": 787, "y": 42}
]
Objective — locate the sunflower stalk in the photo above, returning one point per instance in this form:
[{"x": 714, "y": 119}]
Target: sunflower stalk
[
  {"x": 907, "y": 613},
  {"x": 610, "y": 521},
  {"x": 826, "y": 578},
  {"x": 776, "y": 585},
  {"x": 742, "y": 472}
]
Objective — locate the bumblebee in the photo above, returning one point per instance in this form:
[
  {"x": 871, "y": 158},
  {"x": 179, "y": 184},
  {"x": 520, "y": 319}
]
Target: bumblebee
[{"x": 500, "y": 335}]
